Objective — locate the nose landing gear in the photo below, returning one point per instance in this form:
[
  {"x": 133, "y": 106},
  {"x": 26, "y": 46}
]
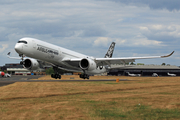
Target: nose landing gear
[{"x": 22, "y": 58}]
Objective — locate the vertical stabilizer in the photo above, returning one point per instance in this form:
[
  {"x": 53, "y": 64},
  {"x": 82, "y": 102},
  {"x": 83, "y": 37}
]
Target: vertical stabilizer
[{"x": 110, "y": 50}]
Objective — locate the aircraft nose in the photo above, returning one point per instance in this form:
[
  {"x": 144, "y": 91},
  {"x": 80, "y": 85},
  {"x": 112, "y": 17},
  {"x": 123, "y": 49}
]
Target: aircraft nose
[{"x": 18, "y": 48}]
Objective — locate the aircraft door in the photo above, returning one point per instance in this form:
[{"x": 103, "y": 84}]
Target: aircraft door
[
  {"x": 34, "y": 44},
  {"x": 59, "y": 52},
  {"x": 22, "y": 47}
]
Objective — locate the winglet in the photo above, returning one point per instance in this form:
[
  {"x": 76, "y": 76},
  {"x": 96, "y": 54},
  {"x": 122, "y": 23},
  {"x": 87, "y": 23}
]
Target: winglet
[
  {"x": 9, "y": 53},
  {"x": 167, "y": 55}
]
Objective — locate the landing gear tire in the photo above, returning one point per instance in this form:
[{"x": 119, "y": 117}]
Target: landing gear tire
[
  {"x": 56, "y": 76},
  {"x": 22, "y": 62},
  {"x": 52, "y": 75},
  {"x": 84, "y": 76}
]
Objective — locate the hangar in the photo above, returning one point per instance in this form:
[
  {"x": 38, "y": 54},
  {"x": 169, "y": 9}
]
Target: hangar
[
  {"x": 144, "y": 70},
  {"x": 17, "y": 69}
]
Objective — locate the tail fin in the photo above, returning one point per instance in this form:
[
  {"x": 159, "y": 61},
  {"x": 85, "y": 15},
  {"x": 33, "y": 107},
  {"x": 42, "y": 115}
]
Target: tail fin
[{"x": 110, "y": 50}]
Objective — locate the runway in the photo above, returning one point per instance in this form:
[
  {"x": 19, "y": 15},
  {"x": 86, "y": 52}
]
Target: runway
[{"x": 13, "y": 79}]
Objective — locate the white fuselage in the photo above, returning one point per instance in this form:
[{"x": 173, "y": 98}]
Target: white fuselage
[{"x": 50, "y": 53}]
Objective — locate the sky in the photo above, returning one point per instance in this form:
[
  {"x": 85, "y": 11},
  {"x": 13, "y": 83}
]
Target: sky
[{"x": 138, "y": 27}]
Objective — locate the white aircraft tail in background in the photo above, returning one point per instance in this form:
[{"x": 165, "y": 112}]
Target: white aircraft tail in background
[
  {"x": 134, "y": 75},
  {"x": 171, "y": 74},
  {"x": 60, "y": 58}
]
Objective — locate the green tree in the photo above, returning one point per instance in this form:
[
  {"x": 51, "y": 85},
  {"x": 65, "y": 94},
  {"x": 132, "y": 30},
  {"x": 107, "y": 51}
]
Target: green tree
[
  {"x": 49, "y": 71},
  {"x": 132, "y": 63},
  {"x": 140, "y": 63},
  {"x": 163, "y": 64},
  {"x": 5, "y": 71}
]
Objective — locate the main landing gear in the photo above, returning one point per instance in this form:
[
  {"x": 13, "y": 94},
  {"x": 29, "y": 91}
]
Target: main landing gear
[
  {"x": 56, "y": 75},
  {"x": 84, "y": 76}
]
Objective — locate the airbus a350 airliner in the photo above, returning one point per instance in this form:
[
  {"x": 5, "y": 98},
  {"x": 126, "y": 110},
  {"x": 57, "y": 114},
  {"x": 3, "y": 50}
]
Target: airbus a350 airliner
[{"x": 41, "y": 52}]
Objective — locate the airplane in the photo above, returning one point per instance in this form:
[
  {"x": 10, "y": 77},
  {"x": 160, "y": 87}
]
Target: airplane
[
  {"x": 2, "y": 73},
  {"x": 40, "y": 52},
  {"x": 155, "y": 75},
  {"x": 171, "y": 74},
  {"x": 7, "y": 75},
  {"x": 133, "y": 74}
]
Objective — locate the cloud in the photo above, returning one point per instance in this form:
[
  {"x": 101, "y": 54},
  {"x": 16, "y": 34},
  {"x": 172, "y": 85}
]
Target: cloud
[
  {"x": 102, "y": 41},
  {"x": 139, "y": 41},
  {"x": 161, "y": 32},
  {"x": 82, "y": 25},
  {"x": 170, "y": 5},
  {"x": 4, "y": 46},
  {"x": 94, "y": 31}
]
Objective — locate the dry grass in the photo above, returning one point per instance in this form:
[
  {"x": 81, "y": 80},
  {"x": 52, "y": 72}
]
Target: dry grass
[
  {"x": 76, "y": 77},
  {"x": 143, "y": 98}
]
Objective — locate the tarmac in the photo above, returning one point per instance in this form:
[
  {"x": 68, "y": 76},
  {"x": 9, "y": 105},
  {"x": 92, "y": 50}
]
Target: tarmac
[{"x": 19, "y": 78}]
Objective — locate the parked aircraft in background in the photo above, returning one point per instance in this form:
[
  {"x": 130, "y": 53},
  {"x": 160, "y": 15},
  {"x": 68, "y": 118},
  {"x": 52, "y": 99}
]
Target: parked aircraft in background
[
  {"x": 171, "y": 74},
  {"x": 133, "y": 74},
  {"x": 41, "y": 52},
  {"x": 155, "y": 75},
  {"x": 7, "y": 75},
  {"x": 2, "y": 73}
]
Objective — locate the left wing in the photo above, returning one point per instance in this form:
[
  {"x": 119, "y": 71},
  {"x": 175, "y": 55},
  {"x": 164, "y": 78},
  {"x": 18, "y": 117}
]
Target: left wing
[{"x": 8, "y": 55}]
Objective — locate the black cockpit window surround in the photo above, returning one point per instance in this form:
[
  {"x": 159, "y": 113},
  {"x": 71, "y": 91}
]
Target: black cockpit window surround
[{"x": 25, "y": 42}]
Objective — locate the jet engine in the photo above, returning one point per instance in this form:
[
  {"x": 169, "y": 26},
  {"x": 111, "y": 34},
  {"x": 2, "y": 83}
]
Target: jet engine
[
  {"x": 87, "y": 64},
  {"x": 31, "y": 64}
]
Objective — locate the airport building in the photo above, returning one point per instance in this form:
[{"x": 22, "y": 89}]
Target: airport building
[
  {"x": 17, "y": 69},
  {"x": 144, "y": 70},
  {"x": 118, "y": 70}
]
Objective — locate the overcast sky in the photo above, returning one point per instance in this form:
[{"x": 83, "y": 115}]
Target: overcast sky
[{"x": 139, "y": 27}]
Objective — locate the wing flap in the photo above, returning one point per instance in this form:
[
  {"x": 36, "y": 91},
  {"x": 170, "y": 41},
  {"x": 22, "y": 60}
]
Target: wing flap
[{"x": 71, "y": 59}]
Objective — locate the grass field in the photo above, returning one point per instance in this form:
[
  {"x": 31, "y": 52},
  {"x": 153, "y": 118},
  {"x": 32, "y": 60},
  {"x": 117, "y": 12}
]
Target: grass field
[{"x": 146, "y": 98}]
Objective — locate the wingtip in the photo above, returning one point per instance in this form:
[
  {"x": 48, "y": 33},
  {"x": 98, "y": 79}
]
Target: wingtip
[
  {"x": 9, "y": 53},
  {"x": 168, "y": 55}
]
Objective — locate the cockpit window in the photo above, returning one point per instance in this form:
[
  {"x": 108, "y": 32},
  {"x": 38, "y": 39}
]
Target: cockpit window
[{"x": 22, "y": 42}]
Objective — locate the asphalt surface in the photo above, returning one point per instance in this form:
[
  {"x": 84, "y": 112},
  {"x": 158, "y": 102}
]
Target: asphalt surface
[{"x": 13, "y": 79}]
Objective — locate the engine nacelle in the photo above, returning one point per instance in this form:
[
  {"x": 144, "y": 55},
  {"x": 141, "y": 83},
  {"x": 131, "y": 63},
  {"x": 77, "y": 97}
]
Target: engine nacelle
[
  {"x": 87, "y": 64},
  {"x": 31, "y": 64}
]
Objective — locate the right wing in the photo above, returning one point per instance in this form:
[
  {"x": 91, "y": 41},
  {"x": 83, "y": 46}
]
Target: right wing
[{"x": 109, "y": 61}]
